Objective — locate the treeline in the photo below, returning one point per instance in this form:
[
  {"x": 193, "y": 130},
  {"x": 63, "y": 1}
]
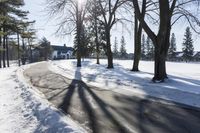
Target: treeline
[
  {"x": 14, "y": 30},
  {"x": 93, "y": 20}
]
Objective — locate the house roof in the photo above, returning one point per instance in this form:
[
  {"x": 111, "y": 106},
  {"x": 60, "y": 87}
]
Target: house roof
[
  {"x": 62, "y": 48},
  {"x": 197, "y": 54},
  {"x": 180, "y": 54}
]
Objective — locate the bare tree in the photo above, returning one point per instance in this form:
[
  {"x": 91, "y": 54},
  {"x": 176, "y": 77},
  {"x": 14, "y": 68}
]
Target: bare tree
[
  {"x": 166, "y": 9},
  {"x": 71, "y": 14},
  {"x": 108, "y": 12},
  {"x": 137, "y": 39}
]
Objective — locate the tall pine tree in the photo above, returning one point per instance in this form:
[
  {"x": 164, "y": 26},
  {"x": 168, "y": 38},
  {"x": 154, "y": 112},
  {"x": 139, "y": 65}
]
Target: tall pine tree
[
  {"x": 123, "y": 48},
  {"x": 172, "y": 47},
  {"x": 149, "y": 49},
  {"x": 10, "y": 12},
  {"x": 115, "y": 48},
  {"x": 188, "y": 48}
]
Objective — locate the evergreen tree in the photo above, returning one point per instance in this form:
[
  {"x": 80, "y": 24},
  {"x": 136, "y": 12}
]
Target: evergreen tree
[
  {"x": 188, "y": 48},
  {"x": 123, "y": 48},
  {"x": 172, "y": 47},
  {"x": 45, "y": 49},
  {"x": 143, "y": 48},
  {"x": 96, "y": 26},
  {"x": 9, "y": 15},
  {"x": 86, "y": 46},
  {"x": 150, "y": 49},
  {"x": 115, "y": 48}
]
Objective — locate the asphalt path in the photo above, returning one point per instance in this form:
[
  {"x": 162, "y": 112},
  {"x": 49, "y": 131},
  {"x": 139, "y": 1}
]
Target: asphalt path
[{"x": 103, "y": 111}]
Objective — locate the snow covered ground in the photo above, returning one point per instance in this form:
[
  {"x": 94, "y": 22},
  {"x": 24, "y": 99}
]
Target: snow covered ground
[
  {"x": 183, "y": 85},
  {"x": 25, "y": 110}
]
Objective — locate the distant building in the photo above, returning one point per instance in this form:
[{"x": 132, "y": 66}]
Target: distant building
[
  {"x": 179, "y": 56},
  {"x": 197, "y": 55},
  {"x": 62, "y": 52}
]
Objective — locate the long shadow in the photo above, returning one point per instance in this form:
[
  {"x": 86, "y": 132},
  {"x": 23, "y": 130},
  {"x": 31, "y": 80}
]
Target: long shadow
[
  {"x": 103, "y": 106},
  {"x": 87, "y": 107},
  {"x": 82, "y": 89},
  {"x": 68, "y": 96},
  {"x": 159, "y": 117},
  {"x": 66, "y": 103}
]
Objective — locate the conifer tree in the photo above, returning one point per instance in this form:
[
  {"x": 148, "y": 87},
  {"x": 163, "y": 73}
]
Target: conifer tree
[
  {"x": 115, "y": 48},
  {"x": 10, "y": 12},
  {"x": 123, "y": 48},
  {"x": 172, "y": 47},
  {"x": 188, "y": 48},
  {"x": 150, "y": 49}
]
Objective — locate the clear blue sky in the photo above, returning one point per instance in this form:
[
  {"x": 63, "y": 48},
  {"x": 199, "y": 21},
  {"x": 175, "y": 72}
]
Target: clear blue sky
[{"x": 48, "y": 27}]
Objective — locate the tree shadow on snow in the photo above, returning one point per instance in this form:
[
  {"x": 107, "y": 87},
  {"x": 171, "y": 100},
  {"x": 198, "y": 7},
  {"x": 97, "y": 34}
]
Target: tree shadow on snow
[{"x": 79, "y": 87}]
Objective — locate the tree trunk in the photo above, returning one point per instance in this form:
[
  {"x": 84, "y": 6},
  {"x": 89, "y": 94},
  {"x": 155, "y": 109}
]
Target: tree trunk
[
  {"x": 138, "y": 35},
  {"x": 0, "y": 51},
  {"x": 78, "y": 30},
  {"x": 23, "y": 54},
  {"x": 4, "y": 48},
  {"x": 108, "y": 49},
  {"x": 7, "y": 52},
  {"x": 162, "y": 43},
  {"x": 137, "y": 49},
  {"x": 78, "y": 47},
  {"x": 31, "y": 55},
  {"x": 97, "y": 45},
  {"x": 18, "y": 54},
  {"x": 96, "y": 35}
]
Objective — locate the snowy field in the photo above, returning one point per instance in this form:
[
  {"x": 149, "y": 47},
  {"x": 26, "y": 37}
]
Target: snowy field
[
  {"x": 25, "y": 110},
  {"x": 183, "y": 85}
]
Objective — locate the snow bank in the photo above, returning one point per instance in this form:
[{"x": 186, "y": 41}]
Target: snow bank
[
  {"x": 24, "y": 109},
  {"x": 183, "y": 85}
]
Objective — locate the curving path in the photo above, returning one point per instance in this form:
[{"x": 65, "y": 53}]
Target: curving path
[{"x": 103, "y": 111}]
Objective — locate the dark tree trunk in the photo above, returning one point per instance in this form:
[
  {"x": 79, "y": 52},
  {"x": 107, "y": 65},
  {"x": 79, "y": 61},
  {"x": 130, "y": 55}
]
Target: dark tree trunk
[
  {"x": 18, "y": 54},
  {"x": 97, "y": 44},
  {"x": 161, "y": 40},
  {"x": 31, "y": 56},
  {"x": 137, "y": 46},
  {"x": 138, "y": 35},
  {"x": 78, "y": 32},
  {"x": 108, "y": 49},
  {"x": 23, "y": 53},
  {"x": 162, "y": 43},
  {"x": 4, "y": 47},
  {"x": 0, "y": 51},
  {"x": 7, "y": 52},
  {"x": 78, "y": 46},
  {"x": 96, "y": 35}
]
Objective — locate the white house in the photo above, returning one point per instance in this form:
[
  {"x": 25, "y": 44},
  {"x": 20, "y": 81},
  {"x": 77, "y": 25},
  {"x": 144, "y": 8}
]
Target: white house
[{"x": 62, "y": 52}]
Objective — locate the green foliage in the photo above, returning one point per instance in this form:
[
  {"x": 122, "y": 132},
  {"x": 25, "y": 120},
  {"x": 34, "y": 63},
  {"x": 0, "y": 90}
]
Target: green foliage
[
  {"x": 86, "y": 46},
  {"x": 96, "y": 22},
  {"x": 188, "y": 48},
  {"x": 123, "y": 48},
  {"x": 172, "y": 47},
  {"x": 45, "y": 48},
  {"x": 150, "y": 49},
  {"x": 115, "y": 49}
]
